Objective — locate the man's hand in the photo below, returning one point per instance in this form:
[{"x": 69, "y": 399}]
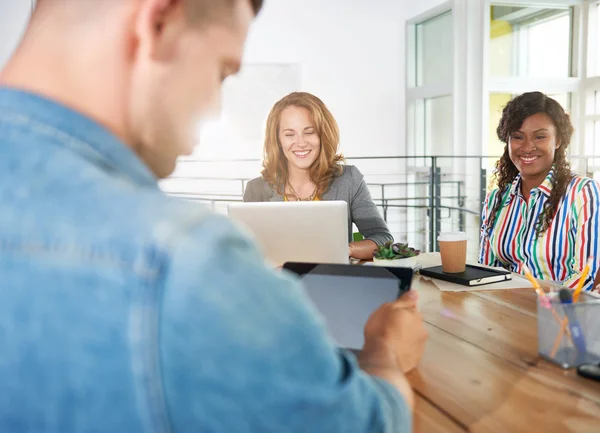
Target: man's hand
[
  {"x": 395, "y": 339},
  {"x": 395, "y": 333}
]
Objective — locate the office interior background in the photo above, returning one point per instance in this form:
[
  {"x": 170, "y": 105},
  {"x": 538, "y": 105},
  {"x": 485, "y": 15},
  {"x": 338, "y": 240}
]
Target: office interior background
[{"x": 417, "y": 88}]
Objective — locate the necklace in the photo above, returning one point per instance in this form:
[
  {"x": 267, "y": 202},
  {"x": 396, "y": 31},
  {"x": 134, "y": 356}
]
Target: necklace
[{"x": 297, "y": 197}]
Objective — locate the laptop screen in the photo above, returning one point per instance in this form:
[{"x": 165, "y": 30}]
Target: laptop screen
[{"x": 347, "y": 295}]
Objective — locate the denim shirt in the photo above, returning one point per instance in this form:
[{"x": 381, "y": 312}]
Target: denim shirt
[{"x": 125, "y": 310}]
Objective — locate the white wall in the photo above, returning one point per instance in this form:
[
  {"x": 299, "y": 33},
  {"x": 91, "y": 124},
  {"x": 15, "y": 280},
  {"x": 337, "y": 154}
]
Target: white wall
[
  {"x": 14, "y": 15},
  {"x": 351, "y": 55},
  {"x": 349, "y": 52},
  {"x": 413, "y": 8}
]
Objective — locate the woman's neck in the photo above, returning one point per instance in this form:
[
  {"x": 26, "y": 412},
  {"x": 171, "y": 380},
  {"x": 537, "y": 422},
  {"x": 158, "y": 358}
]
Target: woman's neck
[
  {"x": 529, "y": 183},
  {"x": 299, "y": 184},
  {"x": 298, "y": 177}
]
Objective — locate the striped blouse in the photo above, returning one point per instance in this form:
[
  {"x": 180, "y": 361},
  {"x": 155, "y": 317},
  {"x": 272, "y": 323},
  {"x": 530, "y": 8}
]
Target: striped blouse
[{"x": 558, "y": 254}]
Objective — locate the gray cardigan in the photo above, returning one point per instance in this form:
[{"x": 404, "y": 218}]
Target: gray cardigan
[{"x": 351, "y": 187}]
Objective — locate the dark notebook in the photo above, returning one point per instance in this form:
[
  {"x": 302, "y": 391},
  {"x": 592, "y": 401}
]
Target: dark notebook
[{"x": 472, "y": 276}]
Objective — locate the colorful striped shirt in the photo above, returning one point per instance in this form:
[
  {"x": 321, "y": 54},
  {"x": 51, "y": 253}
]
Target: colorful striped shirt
[{"x": 561, "y": 252}]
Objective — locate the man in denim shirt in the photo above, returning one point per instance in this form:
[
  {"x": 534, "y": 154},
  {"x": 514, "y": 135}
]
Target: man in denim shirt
[{"x": 124, "y": 310}]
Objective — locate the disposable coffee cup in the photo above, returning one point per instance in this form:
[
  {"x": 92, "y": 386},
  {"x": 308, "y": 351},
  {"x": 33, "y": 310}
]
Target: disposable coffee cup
[{"x": 453, "y": 250}]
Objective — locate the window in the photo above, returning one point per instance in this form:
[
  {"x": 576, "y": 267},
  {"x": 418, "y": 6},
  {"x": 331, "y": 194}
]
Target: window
[
  {"x": 434, "y": 50},
  {"x": 430, "y": 116},
  {"x": 593, "y": 63},
  {"x": 429, "y": 85},
  {"x": 438, "y": 125},
  {"x": 591, "y": 85},
  {"x": 488, "y": 52},
  {"x": 530, "y": 42},
  {"x": 529, "y": 48}
]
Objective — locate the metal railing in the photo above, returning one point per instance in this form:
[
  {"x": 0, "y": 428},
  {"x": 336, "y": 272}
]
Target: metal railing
[{"x": 418, "y": 195}]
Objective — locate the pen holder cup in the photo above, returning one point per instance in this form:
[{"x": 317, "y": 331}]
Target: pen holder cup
[{"x": 569, "y": 334}]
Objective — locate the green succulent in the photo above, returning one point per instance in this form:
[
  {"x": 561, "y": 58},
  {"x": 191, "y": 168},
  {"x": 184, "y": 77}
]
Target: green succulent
[{"x": 391, "y": 251}]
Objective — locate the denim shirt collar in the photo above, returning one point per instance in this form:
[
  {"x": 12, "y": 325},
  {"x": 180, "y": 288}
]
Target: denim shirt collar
[{"x": 75, "y": 131}]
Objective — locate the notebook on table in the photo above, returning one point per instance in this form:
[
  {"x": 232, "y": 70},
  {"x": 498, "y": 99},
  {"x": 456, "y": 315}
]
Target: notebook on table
[{"x": 472, "y": 276}]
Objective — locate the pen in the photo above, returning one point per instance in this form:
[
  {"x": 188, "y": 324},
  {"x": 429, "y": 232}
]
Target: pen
[
  {"x": 566, "y": 298},
  {"x": 545, "y": 302}
]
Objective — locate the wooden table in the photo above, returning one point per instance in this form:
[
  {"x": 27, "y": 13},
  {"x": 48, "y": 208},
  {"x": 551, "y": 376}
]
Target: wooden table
[{"x": 481, "y": 371}]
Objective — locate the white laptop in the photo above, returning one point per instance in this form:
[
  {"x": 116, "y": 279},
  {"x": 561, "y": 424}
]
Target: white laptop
[{"x": 306, "y": 231}]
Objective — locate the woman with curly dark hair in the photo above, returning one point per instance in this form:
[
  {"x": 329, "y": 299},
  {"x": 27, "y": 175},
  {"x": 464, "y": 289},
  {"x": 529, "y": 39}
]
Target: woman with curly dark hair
[{"x": 540, "y": 214}]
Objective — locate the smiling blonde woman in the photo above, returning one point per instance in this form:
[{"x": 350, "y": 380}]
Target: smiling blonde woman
[{"x": 302, "y": 162}]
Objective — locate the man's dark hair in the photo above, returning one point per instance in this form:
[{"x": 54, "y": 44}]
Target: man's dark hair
[
  {"x": 205, "y": 10},
  {"x": 256, "y": 5}
]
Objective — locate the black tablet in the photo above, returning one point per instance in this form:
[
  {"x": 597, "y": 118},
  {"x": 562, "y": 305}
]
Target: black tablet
[{"x": 346, "y": 295}]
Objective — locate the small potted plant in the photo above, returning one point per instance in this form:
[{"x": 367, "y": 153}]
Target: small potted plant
[{"x": 395, "y": 254}]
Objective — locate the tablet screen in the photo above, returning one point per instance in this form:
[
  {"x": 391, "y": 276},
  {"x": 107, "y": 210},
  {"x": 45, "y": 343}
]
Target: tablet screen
[{"x": 346, "y": 295}]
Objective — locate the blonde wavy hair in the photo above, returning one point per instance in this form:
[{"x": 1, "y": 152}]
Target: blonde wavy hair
[{"x": 326, "y": 167}]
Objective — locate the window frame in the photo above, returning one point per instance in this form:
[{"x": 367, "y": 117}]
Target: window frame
[
  {"x": 417, "y": 95},
  {"x": 591, "y": 82},
  {"x": 572, "y": 85}
]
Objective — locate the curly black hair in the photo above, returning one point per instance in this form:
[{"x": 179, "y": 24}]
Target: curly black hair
[{"x": 513, "y": 116}]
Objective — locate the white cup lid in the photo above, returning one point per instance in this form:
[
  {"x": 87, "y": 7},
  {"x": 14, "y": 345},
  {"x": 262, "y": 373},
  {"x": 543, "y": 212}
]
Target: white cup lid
[{"x": 452, "y": 236}]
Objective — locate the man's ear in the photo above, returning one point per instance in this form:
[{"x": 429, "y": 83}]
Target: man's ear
[{"x": 158, "y": 26}]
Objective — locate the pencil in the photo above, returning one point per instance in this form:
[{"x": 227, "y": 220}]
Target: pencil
[
  {"x": 536, "y": 286},
  {"x": 584, "y": 274},
  {"x": 563, "y": 328}
]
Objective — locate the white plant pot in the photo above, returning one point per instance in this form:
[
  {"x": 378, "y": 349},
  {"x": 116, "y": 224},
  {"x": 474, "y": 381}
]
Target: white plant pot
[{"x": 409, "y": 262}]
